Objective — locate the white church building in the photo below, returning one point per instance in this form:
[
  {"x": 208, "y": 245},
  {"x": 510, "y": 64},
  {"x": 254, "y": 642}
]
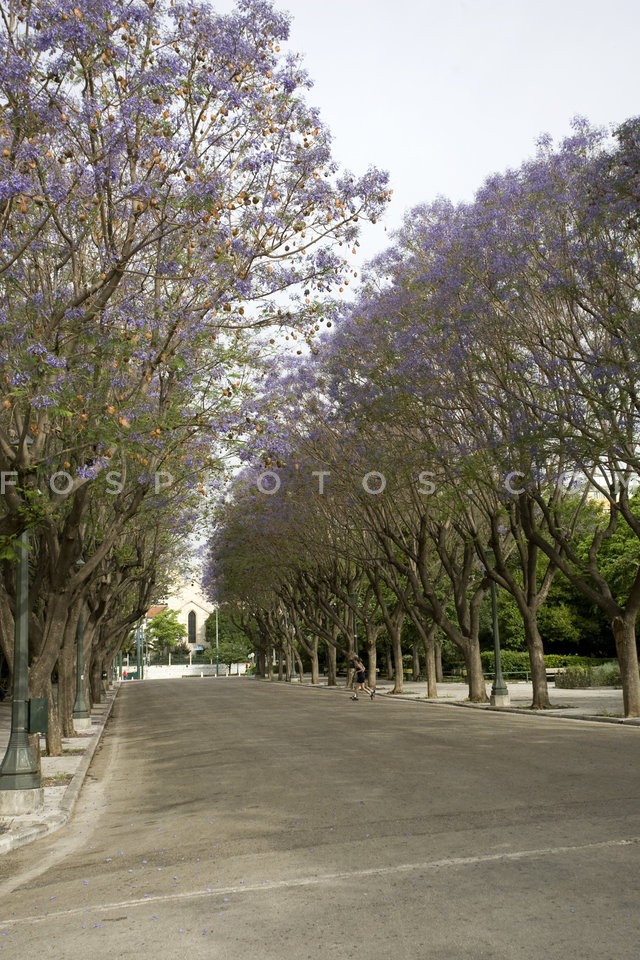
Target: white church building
[{"x": 192, "y": 608}]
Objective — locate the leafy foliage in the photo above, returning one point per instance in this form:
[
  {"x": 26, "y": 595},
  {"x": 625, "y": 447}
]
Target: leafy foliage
[
  {"x": 233, "y": 646},
  {"x": 165, "y": 633}
]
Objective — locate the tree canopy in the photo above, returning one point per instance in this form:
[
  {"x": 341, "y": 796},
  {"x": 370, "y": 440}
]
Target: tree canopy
[
  {"x": 167, "y": 197},
  {"x": 472, "y": 419}
]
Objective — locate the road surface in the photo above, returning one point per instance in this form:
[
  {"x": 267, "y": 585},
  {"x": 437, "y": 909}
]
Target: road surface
[{"x": 241, "y": 820}]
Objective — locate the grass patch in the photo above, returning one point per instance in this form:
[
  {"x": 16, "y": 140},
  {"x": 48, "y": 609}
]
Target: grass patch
[{"x": 57, "y": 780}]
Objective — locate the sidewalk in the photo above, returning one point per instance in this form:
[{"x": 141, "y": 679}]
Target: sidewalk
[
  {"x": 599, "y": 704},
  {"x": 70, "y": 769}
]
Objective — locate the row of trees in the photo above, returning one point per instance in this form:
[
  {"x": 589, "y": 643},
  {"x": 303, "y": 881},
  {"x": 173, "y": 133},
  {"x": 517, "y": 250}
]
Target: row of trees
[
  {"x": 167, "y": 196},
  {"x": 473, "y": 420}
]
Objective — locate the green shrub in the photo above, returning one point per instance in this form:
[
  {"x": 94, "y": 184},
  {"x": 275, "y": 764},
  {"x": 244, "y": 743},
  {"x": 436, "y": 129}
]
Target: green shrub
[
  {"x": 567, "y": 660},
  {"x": 600, "y": 675},
  {"x": 607, "y": 675},
  {"x": 573, "y": 677},
  {"x": 513, "y": 661}
]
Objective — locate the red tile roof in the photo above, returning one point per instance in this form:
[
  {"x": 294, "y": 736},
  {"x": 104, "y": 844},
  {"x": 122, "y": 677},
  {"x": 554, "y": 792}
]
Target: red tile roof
[{"x": 158, "y": 608}]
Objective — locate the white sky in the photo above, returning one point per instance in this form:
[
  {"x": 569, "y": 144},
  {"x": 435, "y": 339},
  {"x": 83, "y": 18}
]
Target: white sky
[{"x": 442, "y": 93}]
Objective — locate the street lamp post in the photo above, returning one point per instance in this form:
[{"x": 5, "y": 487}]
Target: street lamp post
[
  {"x": 20, "y": 787},
  {"x": 499, "y": 692},
  {"x": 355, "y": 625},
  {"x": 139, "y": 639},
  {"x": 217, "y": 644}
]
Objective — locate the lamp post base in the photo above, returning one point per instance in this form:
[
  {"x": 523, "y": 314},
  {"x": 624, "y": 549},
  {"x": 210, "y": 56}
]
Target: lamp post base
[
  {"x": 13, "y": 803},
  {"x": 82, "y": 723},
  {"x": 500, "y": 698}
]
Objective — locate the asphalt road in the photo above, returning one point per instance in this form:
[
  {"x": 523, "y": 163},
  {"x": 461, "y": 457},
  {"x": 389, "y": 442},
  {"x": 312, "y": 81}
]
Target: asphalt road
[{"x": 241, "y": 820}]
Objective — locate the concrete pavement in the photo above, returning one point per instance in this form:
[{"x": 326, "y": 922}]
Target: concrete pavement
[
  {"x": 600, "y": 704},
  {"x": 62, "y": 778}
]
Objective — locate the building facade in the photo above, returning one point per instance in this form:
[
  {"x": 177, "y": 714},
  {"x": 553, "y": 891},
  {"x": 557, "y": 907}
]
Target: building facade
[{"x": 192, "y": 608}]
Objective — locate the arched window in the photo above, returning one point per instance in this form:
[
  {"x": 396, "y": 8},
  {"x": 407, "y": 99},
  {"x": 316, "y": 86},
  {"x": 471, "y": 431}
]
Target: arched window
[{"x": 191, "y": 626}]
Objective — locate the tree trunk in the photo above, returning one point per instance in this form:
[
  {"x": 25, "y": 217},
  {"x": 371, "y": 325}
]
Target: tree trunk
[
  {"x": 299, "y": 664},
  {"x": 372, "y": 659},
  {"x": 624, "y": 633},
  {"x": 315, "y": 665},
  {"x": 469, "y": 647},
  {"x": 396, "y": 653},
  {"x": 40, "y": 686},
  {"x": 54, "y": 727},
  {"x": 415, "y": 666},
  {"x": 310, "y": 647},
  {"x": 428, "y": 638},
  {"x": 41, "y": 668},
  {"x": 429, "y": 643},
  {"x": 67, "y": 688},
  {"x": 288, "y": 662},
  {"x": 536, "y": 656},
  {"x": 438, "y": 659},
  {"x": 96, "y": 666},
  {"x": 331, "y": 665},
  {"x": 389, "y": 661},
  {"x": 475, "y": 675},
  {"x": 96, "y": 686},
  {"x": 7, "y": 631}
]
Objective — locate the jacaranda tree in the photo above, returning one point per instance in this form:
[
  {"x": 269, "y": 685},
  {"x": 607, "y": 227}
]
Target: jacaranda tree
[{"x": 166, "y": 190}]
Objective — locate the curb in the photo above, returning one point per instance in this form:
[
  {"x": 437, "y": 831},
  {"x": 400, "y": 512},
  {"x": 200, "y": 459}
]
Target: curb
[
  {"x": 24, "y": 833},
  {"x": 72, "y": 792}
]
